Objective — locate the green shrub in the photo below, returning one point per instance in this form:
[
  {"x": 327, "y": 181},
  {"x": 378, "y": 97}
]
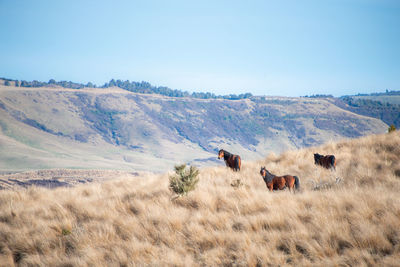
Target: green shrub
[
  {"x": 392, "y": 128},
  {"x": 184, "y": 180},
  {"x": 65, "y": 231}
]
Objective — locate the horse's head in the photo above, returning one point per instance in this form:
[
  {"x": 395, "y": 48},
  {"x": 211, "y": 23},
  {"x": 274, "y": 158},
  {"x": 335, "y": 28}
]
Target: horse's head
[
  {"x": 316, "y": 158},
  {"x": 263, "y": 171},
  {"x": 221, "y": 153}
]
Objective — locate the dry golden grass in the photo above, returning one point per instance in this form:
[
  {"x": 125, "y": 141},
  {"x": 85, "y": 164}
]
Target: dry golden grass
[{"x": 134, "y": 222}]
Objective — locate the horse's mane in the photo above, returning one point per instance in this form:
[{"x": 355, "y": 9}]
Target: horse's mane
[
  {"x": 226, "y": 154},
  {"x": 268, "y": 176},
  {"x": 318, "y": 157}
]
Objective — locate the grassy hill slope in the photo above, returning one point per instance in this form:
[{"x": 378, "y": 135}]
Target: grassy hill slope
[
  {"x": 383, "y": 107},
  {"x": 114, "y": 128},
  {"x": 391, "y": 99},
  {"x": 133, "y": 221}
]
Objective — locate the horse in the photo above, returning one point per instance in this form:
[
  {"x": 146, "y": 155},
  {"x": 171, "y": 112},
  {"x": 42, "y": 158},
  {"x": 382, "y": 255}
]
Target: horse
[
  {"x": 274, "y": 182},
  {"x": 232, "y": 161},
  {"x": 328, "y": 161}
]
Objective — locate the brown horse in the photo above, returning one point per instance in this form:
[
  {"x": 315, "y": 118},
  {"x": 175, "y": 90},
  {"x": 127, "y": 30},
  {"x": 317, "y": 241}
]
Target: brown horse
[
  {"x": 274, "y": 182},
  {"x": 328, "y": 161},
  {"x": 232, "y": 161}
]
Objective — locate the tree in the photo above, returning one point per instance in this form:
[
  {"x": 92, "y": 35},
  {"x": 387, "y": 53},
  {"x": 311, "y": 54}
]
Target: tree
[
  {"x": 184, "y": 180},
  {"x": 90, "y": 85},
  {"x": 112, "y": 83}
]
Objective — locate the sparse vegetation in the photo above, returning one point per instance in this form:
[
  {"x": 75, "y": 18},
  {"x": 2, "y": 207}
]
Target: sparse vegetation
[
  {"x": 355, "y": 222},
  {"x": 391, "y": 128},
  {"x": 387, "y": 112},
  {"x": 237, "y": 183},
  {"x": 184, "y": 180},
  {"x": 319, "y": 96},
  {"x": 65, "y": 231}
]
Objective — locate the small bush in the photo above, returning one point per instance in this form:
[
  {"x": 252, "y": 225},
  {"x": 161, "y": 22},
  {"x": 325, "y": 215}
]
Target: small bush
[
  {"x": 184, "y": 180},
  {"x": 237, "y": 183},
  {"x": 65, "y": 231},
  {"x": 392, "y": 128}
]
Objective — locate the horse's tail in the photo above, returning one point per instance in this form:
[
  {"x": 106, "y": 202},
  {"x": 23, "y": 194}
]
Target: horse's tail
[
  {"x": 296, "y": 182},
  {"x": 237, "y": 163},
  {"x": 333, "y": 162}
]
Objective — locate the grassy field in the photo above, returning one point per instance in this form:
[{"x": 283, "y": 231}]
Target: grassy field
[{"x": 134, "y": 221}]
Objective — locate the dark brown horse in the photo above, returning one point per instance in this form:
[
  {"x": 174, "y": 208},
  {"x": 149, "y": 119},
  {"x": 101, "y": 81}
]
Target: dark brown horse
[
  {"x": 328, "y": 161},
  {"x": 232, "y": 161},
  {"x": 274, "y": 182}
]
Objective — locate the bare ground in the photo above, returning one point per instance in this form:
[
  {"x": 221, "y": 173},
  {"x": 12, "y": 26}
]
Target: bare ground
[{"x": 59, "y": 177}]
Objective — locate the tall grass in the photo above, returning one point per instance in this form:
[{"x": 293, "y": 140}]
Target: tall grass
[{"x": 134, "y": 222}]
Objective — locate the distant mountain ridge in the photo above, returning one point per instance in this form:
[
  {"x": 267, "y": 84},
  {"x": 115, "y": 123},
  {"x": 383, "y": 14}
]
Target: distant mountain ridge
[{"x": 383, "y": 105}]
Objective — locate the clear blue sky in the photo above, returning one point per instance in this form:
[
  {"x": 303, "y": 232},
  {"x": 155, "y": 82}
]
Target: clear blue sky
[{"x": 289, "y": 48}]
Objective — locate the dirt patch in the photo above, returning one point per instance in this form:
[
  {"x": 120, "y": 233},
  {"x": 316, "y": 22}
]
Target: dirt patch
[{"x": 59, "y": 178}]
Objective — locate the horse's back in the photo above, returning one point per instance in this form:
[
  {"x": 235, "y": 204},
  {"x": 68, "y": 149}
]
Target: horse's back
[
  {"x": 331, "y": 161},
  {"x": 290, "y": 180},
  {"x": 327, "y": 161},
  {"x": 234, "y": 162}
]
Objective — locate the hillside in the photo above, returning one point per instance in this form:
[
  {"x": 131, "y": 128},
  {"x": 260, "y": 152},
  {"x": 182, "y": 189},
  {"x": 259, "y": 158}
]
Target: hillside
[
  {"x": 383, "y": 107},
  {"x": 133, "y": 221},
  {"x": 391, "y": 99},
  {"x": 112, "y": 128}
]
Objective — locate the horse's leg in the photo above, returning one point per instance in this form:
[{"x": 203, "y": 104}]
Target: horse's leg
[
  {"x": 323, "y": 163},
  {"x": 293, "y": 184},
  {"x": 237, "y": 163},
  {"x": 270, "y": 187},
  {"x": 283, "y": 183},
  {"x": 289, "y": 183},
  {"x": 334, "y": 167},
  {"x": 231, "y": 164},
  {"x": 291, "y": 189},
  {"x": 233, "y": 167}
]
